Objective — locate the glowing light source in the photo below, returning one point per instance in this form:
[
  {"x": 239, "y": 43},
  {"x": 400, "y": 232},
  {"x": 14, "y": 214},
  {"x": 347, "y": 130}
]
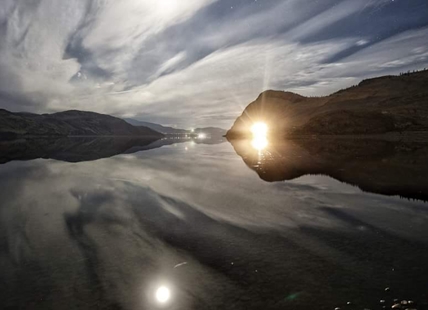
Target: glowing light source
[
  {"x": 163, "y": 294},
  {"x": 201, "y": 136},
  {"x": 259, "y": 130}
]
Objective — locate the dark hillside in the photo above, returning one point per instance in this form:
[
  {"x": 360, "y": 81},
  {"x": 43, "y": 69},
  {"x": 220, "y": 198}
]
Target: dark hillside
[
  {"x": 375, "y": 106},
  {"x": 68, "y": 123}
]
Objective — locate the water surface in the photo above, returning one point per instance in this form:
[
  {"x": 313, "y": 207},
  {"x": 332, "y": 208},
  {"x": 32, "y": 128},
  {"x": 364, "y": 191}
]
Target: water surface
[{"x": 219, "y": 226}]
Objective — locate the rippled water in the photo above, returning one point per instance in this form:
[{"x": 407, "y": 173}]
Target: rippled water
[{"x": 198, "y": 226}]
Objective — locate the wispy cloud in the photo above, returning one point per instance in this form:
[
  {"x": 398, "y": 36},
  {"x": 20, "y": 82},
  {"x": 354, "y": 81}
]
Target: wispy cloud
[{"x": 197, "y": 62}]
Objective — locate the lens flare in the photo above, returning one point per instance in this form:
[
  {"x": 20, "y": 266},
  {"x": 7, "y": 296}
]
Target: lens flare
[
  {"x": 163, "y": 294},
  {"x": 260, "y": 141},
  {"x": 259, "y": 130}
]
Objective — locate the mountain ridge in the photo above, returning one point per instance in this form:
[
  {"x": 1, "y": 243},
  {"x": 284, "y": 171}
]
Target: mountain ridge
[
  {"x": 68, "y": 123},
  {"x": 154, "y": 126},
  {"x": 374, "y": 106}
]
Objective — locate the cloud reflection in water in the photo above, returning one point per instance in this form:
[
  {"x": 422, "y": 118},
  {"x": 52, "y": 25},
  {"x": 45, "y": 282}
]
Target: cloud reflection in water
[{"x": 117, "y": 232}]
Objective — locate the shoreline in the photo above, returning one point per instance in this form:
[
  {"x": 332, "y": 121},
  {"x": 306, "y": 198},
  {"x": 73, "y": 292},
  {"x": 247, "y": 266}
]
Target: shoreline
[
  {"x": 17, "y": 137},
  {"x": 390, "y": 136}
]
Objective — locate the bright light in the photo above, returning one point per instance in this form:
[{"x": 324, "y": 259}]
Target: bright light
[
  {"x": 163, "y": 294},
  {"x": 259, "y": 130},
  {"x": 201, "y": 136},
  {"x": 166, "y": 8},
  {"x": 259, "y": 143}
]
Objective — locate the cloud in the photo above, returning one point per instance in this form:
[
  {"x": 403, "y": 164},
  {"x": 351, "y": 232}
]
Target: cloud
[
  {"x": 197, "y": 62},
  {"x": 362, "y": 42},
  {"x": 389, "y": 56},
  {"x": 229, "y": 79},
  {"x": 118, "y": 30},
  {"x": 38, "y": 32},
  {"x": 34, "y": 45}
]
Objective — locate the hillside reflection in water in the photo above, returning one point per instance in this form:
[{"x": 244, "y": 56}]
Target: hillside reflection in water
[
  {"x": 189, "y": 226},
  {"x": 378, "y": 166}
]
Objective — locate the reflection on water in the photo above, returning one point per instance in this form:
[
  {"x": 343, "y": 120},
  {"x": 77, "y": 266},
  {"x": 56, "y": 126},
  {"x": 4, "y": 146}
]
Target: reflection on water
[
  {"x": 259, "y": 131},
  {"x": 170, "y": 228},
  {"x": 77, "y": 149},
  {"x": 259, "y": 143},
  {"x": 378, "y": 166},
  {"x": 163, "y": 294}
]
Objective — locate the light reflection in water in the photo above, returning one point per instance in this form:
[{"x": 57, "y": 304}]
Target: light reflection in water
[
  {"x": 163, "y": 294},
  {"x": 259, "y": 143}
]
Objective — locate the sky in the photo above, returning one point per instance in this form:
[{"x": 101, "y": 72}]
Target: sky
[{"x": 193, "y": 63}]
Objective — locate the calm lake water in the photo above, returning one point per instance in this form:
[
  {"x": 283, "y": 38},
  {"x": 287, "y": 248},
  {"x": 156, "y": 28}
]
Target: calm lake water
[{"x": 184, "y": 225}]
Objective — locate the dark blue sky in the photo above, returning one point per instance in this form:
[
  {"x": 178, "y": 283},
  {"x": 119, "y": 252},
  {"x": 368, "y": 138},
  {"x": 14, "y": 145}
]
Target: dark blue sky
[{"x": 198, "y": 62}]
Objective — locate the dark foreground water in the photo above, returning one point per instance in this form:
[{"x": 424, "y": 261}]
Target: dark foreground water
[{"x": 221, "y": 226}]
